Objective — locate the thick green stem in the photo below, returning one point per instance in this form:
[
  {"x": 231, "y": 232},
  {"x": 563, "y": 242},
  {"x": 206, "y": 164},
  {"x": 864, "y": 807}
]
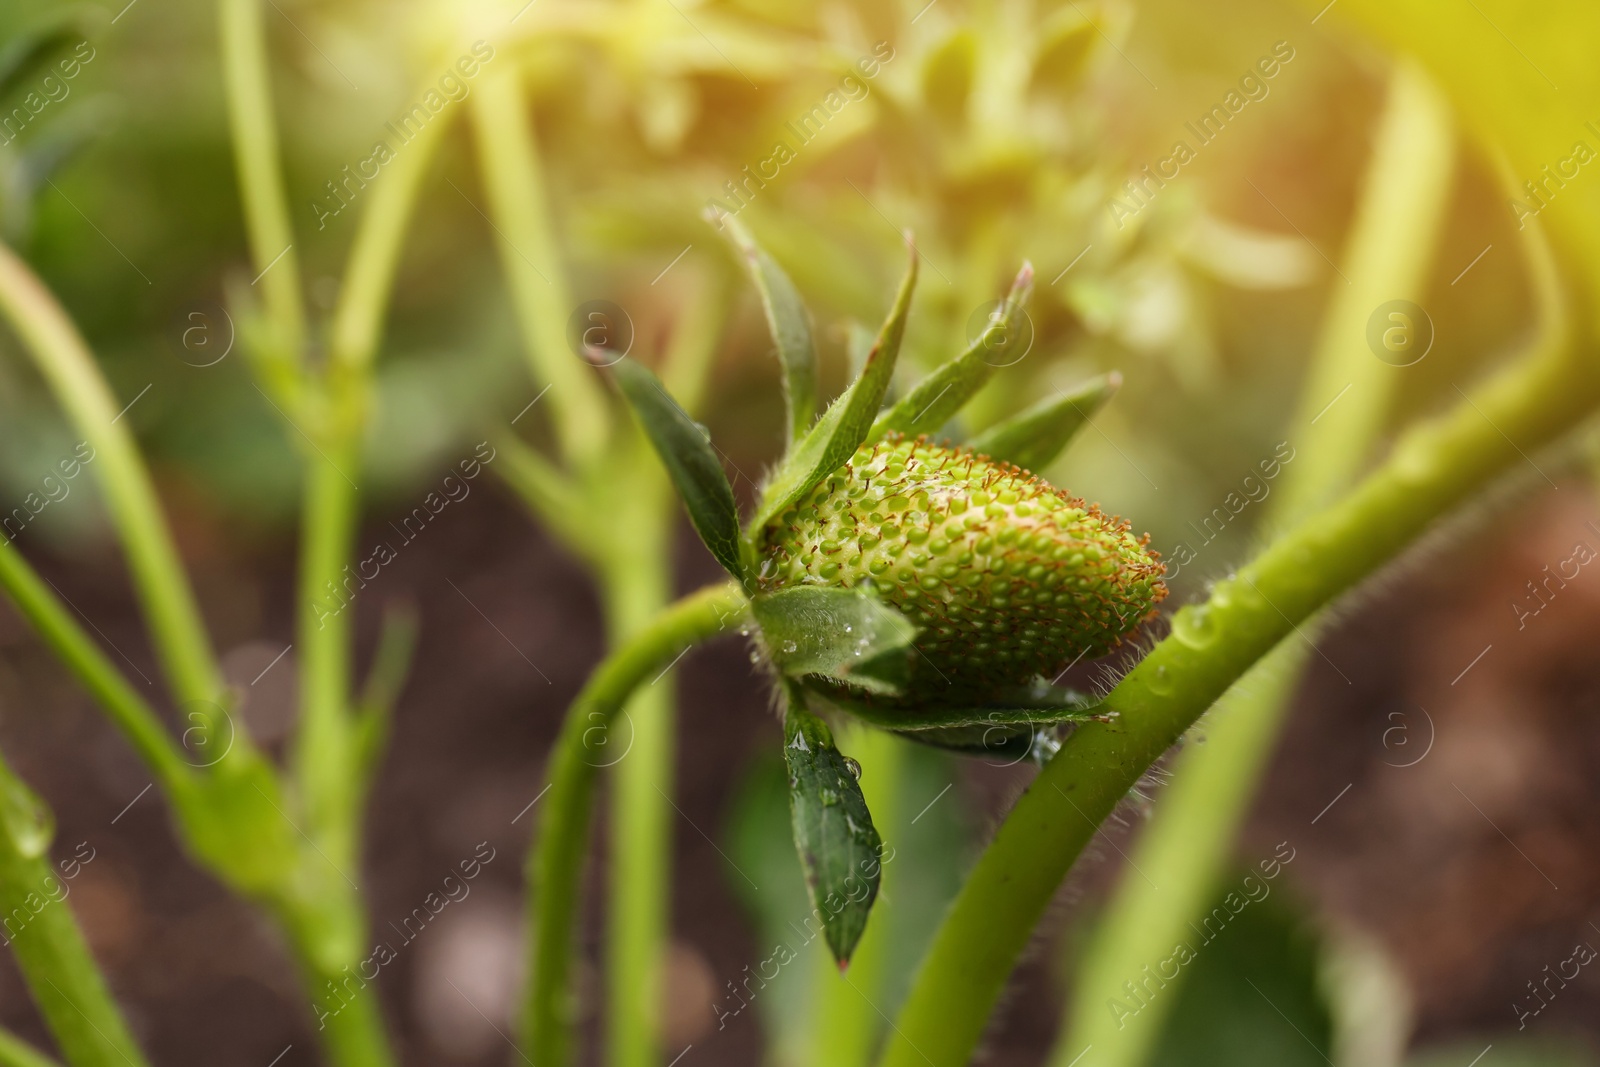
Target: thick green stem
[
  {"x": 255, "y": 154},
  {"x": 164, "y": 594},
  {"x": 49, "y": 948},
  {"x": 1344, "y": 401},
  {"x": 1434, "y": 468},
  {"x": 555, "y": 865}
]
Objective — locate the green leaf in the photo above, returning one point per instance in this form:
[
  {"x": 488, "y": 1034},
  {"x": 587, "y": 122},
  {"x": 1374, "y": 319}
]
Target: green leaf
[
  {"x": 24, "y": 53},
  {"x": 845, "y": 634},
  {"x": 789, "y": 323},
  {"x": 937, "y": 398},
  {"x": 848, "y": 420},
  {"x": 1035, "y": 437},
  {"x": 839, "y": 847},
  {"x": 1247, "y": 991},
  {"x": 685, "y": 450}
]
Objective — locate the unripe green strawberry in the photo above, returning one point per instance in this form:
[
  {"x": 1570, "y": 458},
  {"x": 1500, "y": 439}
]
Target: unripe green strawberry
[{"x": 1006, "y": 576}]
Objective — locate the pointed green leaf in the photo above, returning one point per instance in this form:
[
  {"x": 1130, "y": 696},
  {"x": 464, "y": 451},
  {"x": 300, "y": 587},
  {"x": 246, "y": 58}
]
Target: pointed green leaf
[
  {"x": 944, "y": 392},
  {"x": 685, "y": 450},
  {"x": 789, "y": 323},
  {"x": 1035, "y": 437},
  {"x": 847, "y": 635},
  {"x": 833, "y": 832},
  {"x": 848, "y": 420}
]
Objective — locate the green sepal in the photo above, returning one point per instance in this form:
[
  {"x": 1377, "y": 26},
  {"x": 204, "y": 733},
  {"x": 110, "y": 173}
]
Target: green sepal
[
  {"x": 788, "y": 321},
  {"x": 847, "y": 635},
  {"x": 1010, "y": 724},
  {"x": 685, "y": 450},
  {"x": 839, "y": 847},
  {"x": 1032, "y": 439},
  {"x": 937, "y": 398},
  {"x": 848, "y": 420},
  {"x": 1042, "y": 705}
]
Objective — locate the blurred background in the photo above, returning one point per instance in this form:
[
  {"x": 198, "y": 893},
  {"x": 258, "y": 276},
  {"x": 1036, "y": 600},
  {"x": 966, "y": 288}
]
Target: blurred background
[{"x": 1000, "y": 133}]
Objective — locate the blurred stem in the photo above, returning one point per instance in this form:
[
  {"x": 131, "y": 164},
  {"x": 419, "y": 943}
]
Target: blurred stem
[
  {"x": 555, "y": 864},
  {"x": 1182, "y": 854},
  {"x": 1435, "y": 467},
  {"x": 48, "y": 946},
  {"x": 127, "y": 709},
  {"x": 635, "y": 589},
  {"x": 256, "y": 155},
  {"x": 333, "y": 747},
  {"x": 15, "y": 1052},
  {"x": 513, "y": 178},
  {"x": 845, "y": 1020},
  {"x": 635, "y": 572},
  {"x": 325, "y": 746},
  {"x": 386, "y": 677},
  {"x": 164, "y": 594}
]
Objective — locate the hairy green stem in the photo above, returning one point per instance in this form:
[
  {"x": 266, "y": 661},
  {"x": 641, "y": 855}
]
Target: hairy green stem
[
  {"x": 555, "y": 865},
  {"x": 48, "y": 946},
  {"x": 260, "y": 167},
  {"x": 1435, "y": 467},
  {"x": 1187, "y": 844},
  {"x": 61, "y": 355}
]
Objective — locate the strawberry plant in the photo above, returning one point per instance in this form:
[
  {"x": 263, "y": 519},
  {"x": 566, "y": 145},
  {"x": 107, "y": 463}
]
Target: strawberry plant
[{"x": 900, "y": 579}]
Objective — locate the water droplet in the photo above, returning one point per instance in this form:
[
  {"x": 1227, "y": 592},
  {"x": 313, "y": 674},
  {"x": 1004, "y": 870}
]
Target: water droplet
[
  {"x": 25, "y": 819},
  {"x": 1045, "y": 745},
  {"x": 789, "y": 647},
  {"x": 1195, "y": 626},
  {"x": 853, "y": 767},
  {"x": 848, "y": 628},
  {"x": 1413, "y": 459},
  {"x": 1161, "y": 680},
  {"x": 755, "y": 657}
]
